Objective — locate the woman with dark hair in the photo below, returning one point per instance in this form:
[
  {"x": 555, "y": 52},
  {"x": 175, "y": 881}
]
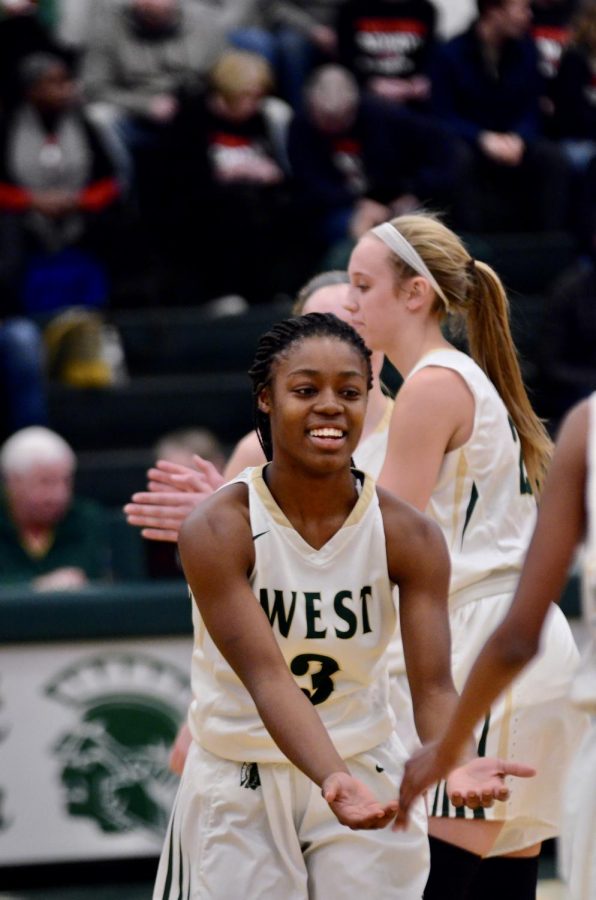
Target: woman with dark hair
[
  {"x": 291, "y": 567},
  {"x": 59, "y": 195}
]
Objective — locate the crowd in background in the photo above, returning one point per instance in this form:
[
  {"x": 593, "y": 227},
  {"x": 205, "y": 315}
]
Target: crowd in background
[
  {"x": 173, "y": 152},
  {"x": 147, "y": 138}
]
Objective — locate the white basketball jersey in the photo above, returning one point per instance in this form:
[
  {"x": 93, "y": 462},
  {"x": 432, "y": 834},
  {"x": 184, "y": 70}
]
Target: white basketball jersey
[
  {"x": 482, "y": 500},
  {"x": 332, "y": 613},
  {"x": 370, "y": 453}
]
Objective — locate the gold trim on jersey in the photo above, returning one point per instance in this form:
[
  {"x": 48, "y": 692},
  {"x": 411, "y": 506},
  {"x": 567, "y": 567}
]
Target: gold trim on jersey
[
  {"x": 383, "y": 423},
  {"x": 460, "y": 478},
  {"x": 505, "y": 726},
  {"x": 278, "y": 515}
]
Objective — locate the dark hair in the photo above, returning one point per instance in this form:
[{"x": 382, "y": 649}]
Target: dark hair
[
  {"x": 34, "y": 67},
  {"x": 276, "y": 342}
]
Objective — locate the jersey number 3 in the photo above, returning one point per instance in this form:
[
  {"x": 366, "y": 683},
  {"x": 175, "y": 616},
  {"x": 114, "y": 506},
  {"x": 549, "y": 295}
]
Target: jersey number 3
[{"x": 321, "y": 679}]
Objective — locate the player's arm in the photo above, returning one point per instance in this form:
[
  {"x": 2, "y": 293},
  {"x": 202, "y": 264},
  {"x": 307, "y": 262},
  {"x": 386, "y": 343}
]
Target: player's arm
[
  {"x": 418, "y": 562},
  {"x": 559, "y": 529},
  {"x": 217, "y": 554},
  {"x": 433, "y": 413}
]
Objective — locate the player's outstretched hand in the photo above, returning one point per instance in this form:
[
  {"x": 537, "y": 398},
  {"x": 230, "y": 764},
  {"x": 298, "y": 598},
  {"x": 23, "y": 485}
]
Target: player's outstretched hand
[
  {"x": 160, "y": 515},
  {"x": 173, "y": 492},
  {"x": 202, "y": 477},
  {"x": 479, "y": 782},
  {"x": 354, "y": 804}
]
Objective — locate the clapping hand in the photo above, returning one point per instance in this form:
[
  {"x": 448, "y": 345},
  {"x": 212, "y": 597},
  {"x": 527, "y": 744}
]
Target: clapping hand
[{"x": 174, "y": 491}]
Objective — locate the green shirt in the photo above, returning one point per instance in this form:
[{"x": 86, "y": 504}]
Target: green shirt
[{"x": 81, "y": 539}]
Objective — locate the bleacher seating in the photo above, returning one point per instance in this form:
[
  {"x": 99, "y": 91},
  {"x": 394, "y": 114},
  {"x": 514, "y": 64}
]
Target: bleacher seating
[
  {"x": 191, "y": 339},
  {"x": 138, "y": 412}
]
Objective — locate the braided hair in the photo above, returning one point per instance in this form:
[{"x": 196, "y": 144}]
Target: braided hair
[{"x": 275, "y": 344}]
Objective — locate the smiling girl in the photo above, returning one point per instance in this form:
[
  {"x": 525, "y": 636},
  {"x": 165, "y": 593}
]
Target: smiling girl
[{"x": 291, "y": 567}]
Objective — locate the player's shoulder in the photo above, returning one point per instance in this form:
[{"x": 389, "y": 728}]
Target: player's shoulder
[
  {"x": 222, "y": 516},
  {"x": 402, "y": 520},
  {"x": 577, "y": 420},
  {"x": 572, "y": 438}
]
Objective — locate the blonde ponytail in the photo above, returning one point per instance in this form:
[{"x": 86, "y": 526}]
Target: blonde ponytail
[
  {"x": 476, "y": 294},
  {"x": 491, "y": 346}
]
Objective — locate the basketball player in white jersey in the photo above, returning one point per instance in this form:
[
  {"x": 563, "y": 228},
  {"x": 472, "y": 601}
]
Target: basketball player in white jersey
[
  {"x": 567, "y": 517},
  {"x": 175, "y": 490},
  {"x": 466, "y": 447},
  {"x": 291, "y": 567}
]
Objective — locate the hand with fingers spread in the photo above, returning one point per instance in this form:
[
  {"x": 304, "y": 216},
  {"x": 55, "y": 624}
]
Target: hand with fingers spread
[
  {"x": 478, "y": 782},
  {"x": 160, "y": 515},
  {"x": 354, "y": 804},
  {"x": 203, "y": 477},
  {"x": 481, "y": 781},
  {"x": 174, "y": 491}
]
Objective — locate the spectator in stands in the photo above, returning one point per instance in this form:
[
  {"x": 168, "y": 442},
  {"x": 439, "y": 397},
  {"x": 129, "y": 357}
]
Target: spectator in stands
[
  {"x": 486, "y": 88},
  {"x": 304, "y": 36},
  {"x": 23, "y": 399},
  {"x": 358, "y": 160},
  {"x": 387, "y": 44},
  {"x": 58, "y": 195},
  {"x": 22, "y": 32},
  {"x": 47, "y": 537},
  {"x": 575, "y": 91},
  {"x": 231, "y": 166},
  {"x": 551, "y": 30},
  {"x": 142, "y": 56}
]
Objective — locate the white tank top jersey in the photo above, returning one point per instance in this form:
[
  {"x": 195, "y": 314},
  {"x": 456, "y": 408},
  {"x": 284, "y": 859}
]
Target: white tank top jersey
[
  {"x": 482, "y": 501},
  {"x": 332, "y": 613},
  {"x": 370, "y": 453}
]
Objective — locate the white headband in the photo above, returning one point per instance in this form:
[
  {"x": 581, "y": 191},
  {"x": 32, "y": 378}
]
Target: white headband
[{"x": 402, "y": 247}]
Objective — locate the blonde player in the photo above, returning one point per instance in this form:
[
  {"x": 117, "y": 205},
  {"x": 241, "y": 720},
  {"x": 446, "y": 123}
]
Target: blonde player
[
  {"x": 465, "y": 446},
  {"x": 567, "y": 516},
  {"x": 291, "y": 567}
]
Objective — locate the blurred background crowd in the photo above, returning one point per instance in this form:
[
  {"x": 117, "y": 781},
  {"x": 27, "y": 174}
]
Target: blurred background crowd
[{"x": 172, "y": 171}]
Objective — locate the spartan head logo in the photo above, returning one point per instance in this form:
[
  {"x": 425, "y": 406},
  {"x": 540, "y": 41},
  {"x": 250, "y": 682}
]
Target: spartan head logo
[{"x": 114, "y": 761}]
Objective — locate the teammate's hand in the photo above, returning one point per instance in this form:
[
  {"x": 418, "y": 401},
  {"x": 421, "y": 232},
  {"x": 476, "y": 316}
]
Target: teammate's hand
[
  {"x": 481, "y": 781},
  {"x": 160, "y": 515},
  {"x": 202, "y": 477},
  {"x": 174, "y": 491},
  {"x": 477, "y": 783},
  {"x": 354, "y": 804}
]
